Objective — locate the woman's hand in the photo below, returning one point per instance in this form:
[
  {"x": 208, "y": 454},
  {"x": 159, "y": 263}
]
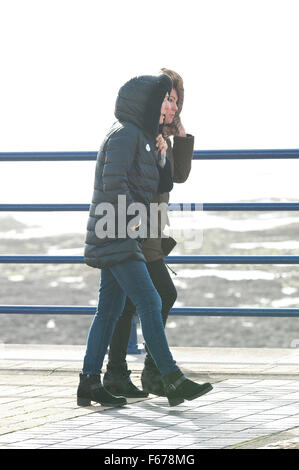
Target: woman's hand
[{"x": 161, "y": 144}]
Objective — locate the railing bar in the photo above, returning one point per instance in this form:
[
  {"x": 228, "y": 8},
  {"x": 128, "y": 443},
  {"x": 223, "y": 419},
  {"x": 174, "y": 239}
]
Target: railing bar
[
  {"x": 198, "y": 155},
  {"x": 183, "y": 311},
  {"x": 221, "y": 259},
  {"x": 242, "y": 206}
]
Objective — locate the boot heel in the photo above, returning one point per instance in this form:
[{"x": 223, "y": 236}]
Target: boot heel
[
  {"x": 175, "y": 401},
  {"x": 83, "y": 401}
]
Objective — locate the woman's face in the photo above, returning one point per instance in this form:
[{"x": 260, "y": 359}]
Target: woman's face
[
  {"x": 172, "y": 109},
  {"x": 164, "y": 107}
]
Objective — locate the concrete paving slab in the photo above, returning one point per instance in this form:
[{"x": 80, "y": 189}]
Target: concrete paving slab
[{"x": 255, "y": 402}]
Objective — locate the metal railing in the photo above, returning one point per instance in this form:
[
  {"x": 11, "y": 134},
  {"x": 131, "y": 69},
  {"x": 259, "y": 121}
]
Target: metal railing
[{"x": 198, "y": 155}]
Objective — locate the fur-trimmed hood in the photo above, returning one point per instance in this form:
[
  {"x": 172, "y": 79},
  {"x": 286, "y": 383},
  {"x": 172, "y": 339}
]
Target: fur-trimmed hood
[{"x": 140, "y": 99}]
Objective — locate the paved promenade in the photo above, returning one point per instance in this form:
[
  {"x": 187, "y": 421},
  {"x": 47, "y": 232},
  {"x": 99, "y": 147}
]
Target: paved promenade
[{"x": 254, "y": 402}]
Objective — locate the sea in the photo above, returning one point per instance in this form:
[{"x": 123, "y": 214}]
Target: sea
[{"x": 209, "y": 181}]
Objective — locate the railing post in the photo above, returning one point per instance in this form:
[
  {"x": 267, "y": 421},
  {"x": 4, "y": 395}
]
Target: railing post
[{"x": 133, "y": 346}]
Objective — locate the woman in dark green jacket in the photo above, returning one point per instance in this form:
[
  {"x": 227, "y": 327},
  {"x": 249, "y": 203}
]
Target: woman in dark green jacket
[{"x": 117, "y": 377}]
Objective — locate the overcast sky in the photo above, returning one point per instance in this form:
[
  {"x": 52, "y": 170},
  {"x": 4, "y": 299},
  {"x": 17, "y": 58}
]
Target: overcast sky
[{"x": 63, "y": 61}]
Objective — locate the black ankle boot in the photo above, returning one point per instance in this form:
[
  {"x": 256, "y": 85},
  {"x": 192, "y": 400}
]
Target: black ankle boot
[
  {"x": 91, "y": 389},
  {"x": 117, "y": 381},
  {"x": 151, "y": 378},
  {"x": 178, "y": 388}
]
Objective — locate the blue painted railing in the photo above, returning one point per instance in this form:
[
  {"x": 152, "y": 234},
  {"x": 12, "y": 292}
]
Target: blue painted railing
[{"x": 198, "y": 155}]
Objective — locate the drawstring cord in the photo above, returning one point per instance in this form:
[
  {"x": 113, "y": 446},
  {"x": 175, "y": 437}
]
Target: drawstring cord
[{"x": 171, "y": 269}]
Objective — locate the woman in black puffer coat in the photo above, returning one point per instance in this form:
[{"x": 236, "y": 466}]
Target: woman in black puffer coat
[{"x": 127, "y": 166}]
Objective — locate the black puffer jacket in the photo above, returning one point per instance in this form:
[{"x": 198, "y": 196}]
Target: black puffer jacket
[{"x": 126, "y": 165}]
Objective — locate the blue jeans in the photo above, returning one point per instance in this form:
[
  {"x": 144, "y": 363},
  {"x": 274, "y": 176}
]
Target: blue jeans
[{"x": 129, "y": 278}]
